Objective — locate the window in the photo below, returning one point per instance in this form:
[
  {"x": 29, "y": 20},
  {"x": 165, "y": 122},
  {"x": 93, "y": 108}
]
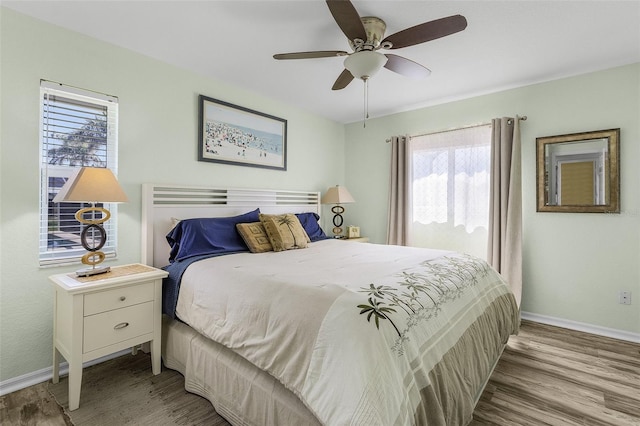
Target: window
[
  {"x": 77, "y": 128},
  {"x": 449, "y": 176}
]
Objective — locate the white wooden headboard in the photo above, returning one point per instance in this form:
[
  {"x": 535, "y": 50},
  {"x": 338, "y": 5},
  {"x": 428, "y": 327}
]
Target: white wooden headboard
[{"x": 161, "y": 203}]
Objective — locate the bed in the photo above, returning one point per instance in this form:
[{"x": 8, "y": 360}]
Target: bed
[{"x": 324, "y": 331}]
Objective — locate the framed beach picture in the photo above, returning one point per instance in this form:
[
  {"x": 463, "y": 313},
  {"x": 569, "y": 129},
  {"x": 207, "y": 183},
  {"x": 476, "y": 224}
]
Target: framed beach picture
[{"x": 232, "y": 134}]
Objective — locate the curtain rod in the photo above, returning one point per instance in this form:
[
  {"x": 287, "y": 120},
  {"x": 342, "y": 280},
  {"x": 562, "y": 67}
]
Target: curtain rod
[{"x": 523, "y": 118}]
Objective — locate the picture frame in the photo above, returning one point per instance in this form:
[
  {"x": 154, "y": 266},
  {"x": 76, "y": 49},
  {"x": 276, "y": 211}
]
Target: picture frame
[
  {"x": 353, "y": 232},
  {"x": 231, "y": 134},
  {"x": 579, "y": 172}
]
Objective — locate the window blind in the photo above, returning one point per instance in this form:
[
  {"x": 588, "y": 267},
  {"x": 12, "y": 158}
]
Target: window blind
[{"x": 78, "y": 128}]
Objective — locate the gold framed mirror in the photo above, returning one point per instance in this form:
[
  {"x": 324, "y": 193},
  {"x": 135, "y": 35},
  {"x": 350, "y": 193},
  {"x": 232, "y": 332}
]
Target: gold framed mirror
[{"x": 579, "y": 172}]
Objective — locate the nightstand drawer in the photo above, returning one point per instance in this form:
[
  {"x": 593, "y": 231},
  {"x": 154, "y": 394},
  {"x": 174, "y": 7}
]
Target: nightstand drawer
[
  {"x": 115, "y": 326},
  {"x": 117, "y": 298}
]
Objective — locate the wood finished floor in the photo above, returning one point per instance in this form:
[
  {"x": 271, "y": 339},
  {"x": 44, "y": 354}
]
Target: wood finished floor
[
  {"x": 546, "y": 376},
  {"x": 554, "y": 376}
]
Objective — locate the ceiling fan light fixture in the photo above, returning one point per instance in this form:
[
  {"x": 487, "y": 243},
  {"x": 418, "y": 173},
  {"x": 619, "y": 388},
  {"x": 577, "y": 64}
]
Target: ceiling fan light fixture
[{"x": 365, "y": 64}]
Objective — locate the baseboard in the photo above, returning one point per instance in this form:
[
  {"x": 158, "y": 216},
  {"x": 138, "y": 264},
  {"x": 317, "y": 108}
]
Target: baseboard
[
  {"x": 35, "y": 377},
  {"x": 580, "y": 326}
]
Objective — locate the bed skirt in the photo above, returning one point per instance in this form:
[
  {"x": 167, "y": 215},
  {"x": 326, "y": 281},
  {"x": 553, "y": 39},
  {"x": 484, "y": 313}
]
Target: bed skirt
[{"x": 240, "y": 392}]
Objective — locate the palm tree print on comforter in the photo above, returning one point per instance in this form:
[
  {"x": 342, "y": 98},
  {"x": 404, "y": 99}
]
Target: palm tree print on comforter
[{"x": 420, "y": 295}]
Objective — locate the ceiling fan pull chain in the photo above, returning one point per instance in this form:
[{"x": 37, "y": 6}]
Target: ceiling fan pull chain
[{"x": 366, "y": 102}]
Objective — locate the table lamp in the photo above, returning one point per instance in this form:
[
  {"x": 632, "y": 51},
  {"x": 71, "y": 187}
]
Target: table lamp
[
  {"x": 92, "y": 185},
  {"x": 337, "y": 195}
]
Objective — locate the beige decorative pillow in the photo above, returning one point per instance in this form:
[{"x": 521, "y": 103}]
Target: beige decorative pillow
[
  {"x": 285, "y": 231},
  {"x": 254, "y": 236}
]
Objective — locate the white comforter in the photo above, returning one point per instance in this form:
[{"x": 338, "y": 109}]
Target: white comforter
[{"x": 355, "y": 330}]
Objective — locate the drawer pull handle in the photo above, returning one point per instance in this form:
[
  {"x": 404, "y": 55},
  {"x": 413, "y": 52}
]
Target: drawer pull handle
[
  {"x": 121, "y": 326},
  {"x": 123, "y": 298}
]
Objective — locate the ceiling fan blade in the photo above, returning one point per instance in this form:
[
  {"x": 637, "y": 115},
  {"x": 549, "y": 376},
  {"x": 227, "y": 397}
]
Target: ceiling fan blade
[
  {"x": 406, "y": 67},
  {"x": 427, "y": 31},
  {"x": 343, "y": 80},
  {"x": 347, "y": 18},
  {"x": 310, "y": 55}
]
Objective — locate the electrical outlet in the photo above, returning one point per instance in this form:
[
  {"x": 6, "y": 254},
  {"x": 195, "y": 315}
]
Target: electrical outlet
[{"x": 624, "y": 297}]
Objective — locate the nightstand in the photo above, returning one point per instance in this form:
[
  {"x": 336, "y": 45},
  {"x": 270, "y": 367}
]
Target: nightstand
[
  {"x": 357, "y": 240},
  {"x": 98, "y": 315}
]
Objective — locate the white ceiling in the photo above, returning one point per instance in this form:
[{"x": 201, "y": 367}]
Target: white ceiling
[{"x": 506, "y": 44}]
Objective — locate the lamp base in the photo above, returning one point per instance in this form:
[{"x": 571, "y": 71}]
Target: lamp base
[{"x": 87, "y": 272}]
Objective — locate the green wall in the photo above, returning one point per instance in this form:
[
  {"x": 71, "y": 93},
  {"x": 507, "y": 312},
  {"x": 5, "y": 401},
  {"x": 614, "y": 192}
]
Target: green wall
[
  {"x": 574, "y": 264},
  {"x": 157, "y": 143}
]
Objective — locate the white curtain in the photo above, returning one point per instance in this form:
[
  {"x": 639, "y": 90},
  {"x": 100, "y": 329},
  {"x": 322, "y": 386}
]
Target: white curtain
[
  {"x": 399, "y": 189},
  {"x": 504, "y": 250},
  {"x": 449, "y": 179}
]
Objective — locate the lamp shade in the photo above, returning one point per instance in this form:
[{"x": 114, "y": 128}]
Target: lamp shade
[
  {"x": 365, "y": 64},
  {"x": 91, "y": 185},
  {"x": 337, "y": 195}
]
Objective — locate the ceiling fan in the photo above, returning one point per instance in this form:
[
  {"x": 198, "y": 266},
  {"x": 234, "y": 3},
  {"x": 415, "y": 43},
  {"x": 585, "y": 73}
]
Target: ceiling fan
[{"x": 365, "y": 36}]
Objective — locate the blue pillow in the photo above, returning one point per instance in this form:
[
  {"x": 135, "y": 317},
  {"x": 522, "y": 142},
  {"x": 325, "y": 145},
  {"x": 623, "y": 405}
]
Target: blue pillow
[
  {"x": 212, "y": 235},
  {"x": 310, "y": 224}
]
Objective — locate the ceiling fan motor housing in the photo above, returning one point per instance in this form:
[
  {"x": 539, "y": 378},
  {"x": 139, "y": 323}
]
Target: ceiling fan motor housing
[{"x": 374, "y": 28}]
